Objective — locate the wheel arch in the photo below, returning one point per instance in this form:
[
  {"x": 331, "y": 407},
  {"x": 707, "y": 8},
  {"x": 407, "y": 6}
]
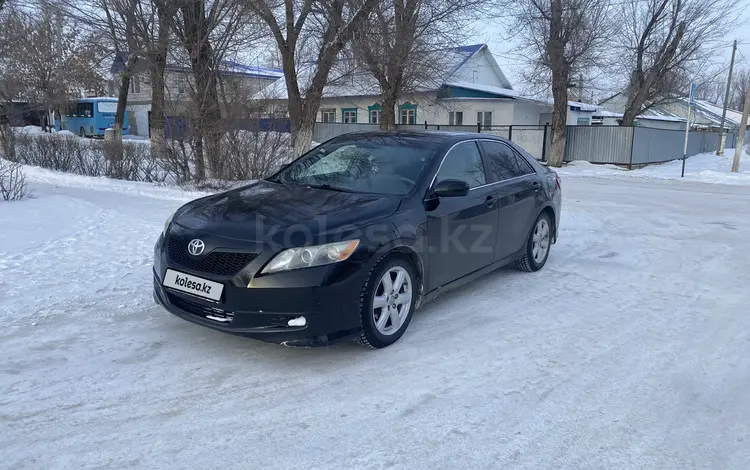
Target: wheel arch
[
  {"x": 550, "y": 211},
  {"x": 400, "y": 247}
]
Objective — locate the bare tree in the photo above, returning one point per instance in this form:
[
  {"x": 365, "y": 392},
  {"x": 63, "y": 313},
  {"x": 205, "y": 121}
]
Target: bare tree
[
  {"x": 54, "y": 61},
  {"x": 562, "y": 38},
  {"x": 300, "y": 27},
  {"x": 711, "y": 88},
  {"x": 403, "y": 46},
  {"x": 740, "y": 85},
  {"x": 664, "y": 44}
]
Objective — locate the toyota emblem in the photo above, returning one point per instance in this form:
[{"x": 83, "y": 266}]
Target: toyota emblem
[{"x": 196, "y": 247}]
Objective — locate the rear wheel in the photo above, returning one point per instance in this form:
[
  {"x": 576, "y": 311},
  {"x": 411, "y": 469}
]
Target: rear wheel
[
  {"x": 387, "y": 302},
  {"x": 537, "y": 247}
]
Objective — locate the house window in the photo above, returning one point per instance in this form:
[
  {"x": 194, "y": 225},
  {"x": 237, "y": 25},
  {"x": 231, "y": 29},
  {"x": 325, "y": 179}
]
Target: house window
[
  {"x": 484, "y": 118},
  {"x": 408, "y": 113},
  {"x": 456, "y": 118},
  {"x": 135, "y": 84},
  {"x": 374, "y": 113},
  {"x": 583, "y": 121},
  {"x": 349, "y": 115},
  {"x": 328, "y": 115},
  {"x": 408, "y": 116}
]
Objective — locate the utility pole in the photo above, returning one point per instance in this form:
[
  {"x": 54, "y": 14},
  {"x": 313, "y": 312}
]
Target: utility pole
[
  {"x": 691, "y": 103},
  {"x": 741, "y": 137},
  {"x": 723, "y": 135}
]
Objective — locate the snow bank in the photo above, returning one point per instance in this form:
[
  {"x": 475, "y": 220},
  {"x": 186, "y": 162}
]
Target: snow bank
[
  {"x": 703, "y": 168},
  {"x": 60, "y": 179}
]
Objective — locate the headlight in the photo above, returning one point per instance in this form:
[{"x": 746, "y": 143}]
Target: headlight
[
  {"x": 308, "y": 256},
  {"x": 166, "y": 224}
]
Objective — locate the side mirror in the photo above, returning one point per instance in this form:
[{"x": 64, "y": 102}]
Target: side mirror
[{"x": 451, "y": 188}]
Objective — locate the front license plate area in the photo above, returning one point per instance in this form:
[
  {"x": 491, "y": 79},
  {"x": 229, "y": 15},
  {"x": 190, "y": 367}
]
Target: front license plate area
[{"x": 194, "y": 285}]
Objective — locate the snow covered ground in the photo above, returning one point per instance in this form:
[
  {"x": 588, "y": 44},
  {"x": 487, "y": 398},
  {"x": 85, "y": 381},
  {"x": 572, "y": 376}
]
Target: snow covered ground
[
  {"x": 631, "y": 349},
  {"x": 704, "y": 168}
]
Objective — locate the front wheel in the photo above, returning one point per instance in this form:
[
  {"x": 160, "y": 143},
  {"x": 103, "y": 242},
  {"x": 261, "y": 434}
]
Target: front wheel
[
  {"x": 82, "y": 132},
  {"x": 387, "y": 302},
  {"x": 537, "y": 247}
]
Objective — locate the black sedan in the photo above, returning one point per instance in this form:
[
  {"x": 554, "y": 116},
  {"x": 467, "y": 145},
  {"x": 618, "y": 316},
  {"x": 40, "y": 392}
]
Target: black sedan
[{"x": 348, "y": 240}]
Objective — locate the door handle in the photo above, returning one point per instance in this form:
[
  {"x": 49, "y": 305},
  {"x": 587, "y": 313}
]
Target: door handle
[
  {"x": 490, "y": 201},
  {"x": 537, "y": 185}
]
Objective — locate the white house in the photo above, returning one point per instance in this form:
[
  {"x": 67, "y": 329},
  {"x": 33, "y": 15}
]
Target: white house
[
  {"x": 239, "y": 79},
  {"x": 472, "y": 90}
]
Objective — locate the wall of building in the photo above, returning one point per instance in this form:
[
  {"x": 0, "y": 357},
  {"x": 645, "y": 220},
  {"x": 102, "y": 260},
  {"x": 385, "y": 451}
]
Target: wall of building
[
  {"x": 579, "y": 118},
  {"x": 527, "y": 114},
  {"x": 479, "y": 70},
  {"x": 504, "y": 111},
  {"x": 658, "y": 124},
  {"x": 139, "y": 114}
]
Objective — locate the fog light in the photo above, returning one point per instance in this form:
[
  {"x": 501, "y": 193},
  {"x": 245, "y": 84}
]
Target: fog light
[{"x": 299, "y": 321}]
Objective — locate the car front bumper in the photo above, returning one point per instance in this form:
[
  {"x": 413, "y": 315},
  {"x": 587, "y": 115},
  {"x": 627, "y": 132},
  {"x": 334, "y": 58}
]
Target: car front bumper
[{"x": 327, "y": 296}]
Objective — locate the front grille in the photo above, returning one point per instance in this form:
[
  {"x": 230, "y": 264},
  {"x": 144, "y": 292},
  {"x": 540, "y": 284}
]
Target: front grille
[
  {"x": 220, "y": 263},
  {"x": 217, "y": 314}
]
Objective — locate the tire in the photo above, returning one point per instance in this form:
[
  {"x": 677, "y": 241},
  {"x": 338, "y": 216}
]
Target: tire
[
  {"x": 542, "y": 230},
  {"x": 82, "y": 132},
  {"x": 373, "y": 335}
]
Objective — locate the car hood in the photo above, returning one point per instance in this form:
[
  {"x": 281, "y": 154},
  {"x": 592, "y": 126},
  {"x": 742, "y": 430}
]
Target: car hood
[{"x": 284, "y": 214}]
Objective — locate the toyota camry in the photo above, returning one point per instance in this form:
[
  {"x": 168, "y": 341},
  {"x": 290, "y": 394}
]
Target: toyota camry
[{"x": 347, "y": 241}]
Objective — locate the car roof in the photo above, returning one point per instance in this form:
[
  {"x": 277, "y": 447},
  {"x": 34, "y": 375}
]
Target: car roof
[{"x": 433, "y": 137}]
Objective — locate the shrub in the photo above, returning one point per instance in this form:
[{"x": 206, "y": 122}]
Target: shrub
[{"x": 12, "y": 181}]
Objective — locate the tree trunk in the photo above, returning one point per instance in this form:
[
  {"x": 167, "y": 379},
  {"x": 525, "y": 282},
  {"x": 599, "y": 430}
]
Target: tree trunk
[
  {"x": 203, "y": 64},
  {"x": 559, "y": 119},
  {"x": 122, "y": 97},
  {"x": 388, "y": 113},
  {"x": 199, "y": 159},
  {"x": 158, "y": 64},
  {"x": 302, "y": 132},
  {"x": 7, "y": 140}
]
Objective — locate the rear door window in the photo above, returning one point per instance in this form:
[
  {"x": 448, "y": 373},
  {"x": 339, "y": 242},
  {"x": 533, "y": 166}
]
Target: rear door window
[
  {"x": 503, "y": 163},
  {"x": 463, "y": 163}
]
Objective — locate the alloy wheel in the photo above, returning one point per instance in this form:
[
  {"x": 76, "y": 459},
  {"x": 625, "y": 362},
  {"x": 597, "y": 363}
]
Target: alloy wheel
[
  {"x": 392, "y": 301},
  {"x": 540, "y": 240}
]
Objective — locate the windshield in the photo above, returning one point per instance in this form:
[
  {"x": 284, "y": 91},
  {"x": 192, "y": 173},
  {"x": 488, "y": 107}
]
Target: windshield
[
  {"x": 372, "y": 164},
  {"x": 107, "y": 107}
]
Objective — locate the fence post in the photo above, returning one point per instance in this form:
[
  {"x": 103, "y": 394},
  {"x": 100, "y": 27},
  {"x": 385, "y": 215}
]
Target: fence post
[
  {"x": 632, "y": 145},
  {"x": 510, "y": 132},
  {"x": 479, "y": 126},
  {"x": 438, "y": 126},
  {"x": 544, "y": 144},
  {"x": 425, "y": 125}
]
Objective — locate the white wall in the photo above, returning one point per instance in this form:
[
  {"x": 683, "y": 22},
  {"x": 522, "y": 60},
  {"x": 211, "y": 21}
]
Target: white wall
[
  {"x": 573, "y": 116},
  {"x": 504, "y": 111},
  {"x": 479, "y": 70},
  {"x": 140, "y": 112},
  {"x": 526, "y": 114}
]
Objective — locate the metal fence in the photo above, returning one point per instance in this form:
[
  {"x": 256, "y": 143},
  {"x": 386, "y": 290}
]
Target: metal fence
[
  {"x": 597, "y": 144},
  {"x": 531, "y": 138},
  {"x": 637, "y": 145}
]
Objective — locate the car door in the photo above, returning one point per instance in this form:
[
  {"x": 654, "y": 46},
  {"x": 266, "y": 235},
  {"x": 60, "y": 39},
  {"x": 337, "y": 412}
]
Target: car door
[
  {"x": 516, "y": 185},
  {"x": 461, "y": 230}
]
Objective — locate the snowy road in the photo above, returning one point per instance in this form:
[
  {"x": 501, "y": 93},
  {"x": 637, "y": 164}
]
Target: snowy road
[{"x": 631, "y": 349}]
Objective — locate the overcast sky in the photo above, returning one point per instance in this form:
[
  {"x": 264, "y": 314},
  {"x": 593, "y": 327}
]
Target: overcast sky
[{"x": 501, "y": 47}]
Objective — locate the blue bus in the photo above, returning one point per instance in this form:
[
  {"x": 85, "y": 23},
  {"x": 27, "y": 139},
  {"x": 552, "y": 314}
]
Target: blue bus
[{"x": 90, "y": 117}]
